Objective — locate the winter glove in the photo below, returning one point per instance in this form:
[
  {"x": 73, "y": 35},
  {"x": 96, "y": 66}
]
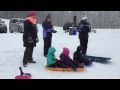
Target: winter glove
[
  {"x": 37, "y": 40},
  {"x": 54, "y": 31},
  {"x": 30, "y": 40},
  {"x": 93, "y": 31}
]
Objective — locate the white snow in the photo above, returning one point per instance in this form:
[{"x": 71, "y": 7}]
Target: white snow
[{"x": 103, "y": 43}]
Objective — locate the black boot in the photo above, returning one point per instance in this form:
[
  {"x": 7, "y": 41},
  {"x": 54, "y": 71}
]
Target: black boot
[
  {"x": 25, "y": 63},
  {"x": 26, "y": 57},
  {"x": 31, "y": 61},
  {"x": 45, "y": 55}
]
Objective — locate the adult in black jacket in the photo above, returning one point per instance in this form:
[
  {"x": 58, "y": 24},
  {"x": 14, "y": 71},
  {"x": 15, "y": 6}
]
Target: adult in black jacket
[
  {"x": 29, "y": 38},
  {"x": 84, "y": 29}
]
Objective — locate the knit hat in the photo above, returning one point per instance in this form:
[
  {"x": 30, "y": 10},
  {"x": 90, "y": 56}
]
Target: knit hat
[
  {"x": 84, "y": 17},
  {"x": 32, "y": 13},
  {"x": 48, "y": 16},
  {"x": 66, "y": 51}
]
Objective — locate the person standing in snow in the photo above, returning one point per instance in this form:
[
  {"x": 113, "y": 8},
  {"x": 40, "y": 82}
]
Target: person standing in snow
[
  {"x": 47, "y": 33},
  {"x": 29, "y": 38},
  {"x": 84, "y": 29}
]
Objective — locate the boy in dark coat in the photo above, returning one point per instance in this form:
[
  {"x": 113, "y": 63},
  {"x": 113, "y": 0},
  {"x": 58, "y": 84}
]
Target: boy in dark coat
[
  {"x": 47, "y": 34},
  {"x": 84, "y": 29},
  {"x": 79, "y": 58},
  {"x": 29, "y": 38}
]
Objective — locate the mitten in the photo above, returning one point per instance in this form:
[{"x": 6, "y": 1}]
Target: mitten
[
  {"x": 30, "y": 40},
  {"x": 54, "y": 31},
  {"x": 37, "y": 39}
]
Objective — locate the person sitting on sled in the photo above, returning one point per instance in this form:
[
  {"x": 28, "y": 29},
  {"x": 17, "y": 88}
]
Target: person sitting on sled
[
  {"x": 51, "y": 59},
  {"x": 67, "y": 61},
  {"x": 79, "y": 58}
]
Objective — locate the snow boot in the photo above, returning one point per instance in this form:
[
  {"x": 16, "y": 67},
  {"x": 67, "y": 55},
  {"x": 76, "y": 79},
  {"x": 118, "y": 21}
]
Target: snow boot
[
  {"x": 45, "y": 55},
  {"x": 89, "y": 62},
  {"x": 31, "y": 61},
  {"x": 24, "y": 64}
]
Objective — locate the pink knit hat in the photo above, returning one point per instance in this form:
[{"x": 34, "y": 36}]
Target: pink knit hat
[
  {"x": 66, "y": 51},
  {"x": 32, "y": 13}
]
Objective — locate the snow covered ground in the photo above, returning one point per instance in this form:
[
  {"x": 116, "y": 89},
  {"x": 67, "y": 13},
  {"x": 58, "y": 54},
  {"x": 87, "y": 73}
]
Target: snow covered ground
[{"x": 103, "y": 43}]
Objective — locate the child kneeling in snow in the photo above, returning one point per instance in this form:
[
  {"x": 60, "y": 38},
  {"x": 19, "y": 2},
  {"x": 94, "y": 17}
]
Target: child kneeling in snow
[
  {"x": 79, "y": 58},
  {"x": 67, "y": 61},
  {"x": 51, "y": 59}
]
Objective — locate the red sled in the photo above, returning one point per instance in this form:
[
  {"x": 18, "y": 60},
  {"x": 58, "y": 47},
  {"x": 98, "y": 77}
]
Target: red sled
[{"x": 23, "y": 75}]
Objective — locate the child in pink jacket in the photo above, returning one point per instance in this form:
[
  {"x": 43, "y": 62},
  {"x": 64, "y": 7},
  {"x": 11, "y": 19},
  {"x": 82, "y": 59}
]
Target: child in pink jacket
[{"x": 67, "y": 61}]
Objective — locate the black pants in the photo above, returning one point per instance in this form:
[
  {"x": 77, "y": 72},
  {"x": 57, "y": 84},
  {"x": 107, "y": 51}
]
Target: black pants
[
  {"x": 28, "y": 54},
  {"x": 47, "y": 45},
  {"x": 84, "y": 43}
]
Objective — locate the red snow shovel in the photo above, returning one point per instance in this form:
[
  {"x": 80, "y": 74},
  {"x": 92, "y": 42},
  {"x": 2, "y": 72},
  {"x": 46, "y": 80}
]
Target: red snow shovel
[{"x": 23, "y": 75}]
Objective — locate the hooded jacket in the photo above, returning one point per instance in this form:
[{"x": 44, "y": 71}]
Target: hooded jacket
[
  {"x": 66, "y": 60},
  {"x": 78, "y": 57},
  {"x": 51, "y": 57}
]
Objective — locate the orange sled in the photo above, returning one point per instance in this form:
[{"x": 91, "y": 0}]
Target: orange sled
[{"x": 64, "y": 69}]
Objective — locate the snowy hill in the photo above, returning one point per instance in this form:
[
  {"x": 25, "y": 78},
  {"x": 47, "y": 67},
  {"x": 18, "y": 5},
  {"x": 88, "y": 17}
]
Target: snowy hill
[{"x": 103, "y": 43}]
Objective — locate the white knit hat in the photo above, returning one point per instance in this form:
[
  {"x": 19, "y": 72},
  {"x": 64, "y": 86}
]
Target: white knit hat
[{"x": 84, "y": 18}]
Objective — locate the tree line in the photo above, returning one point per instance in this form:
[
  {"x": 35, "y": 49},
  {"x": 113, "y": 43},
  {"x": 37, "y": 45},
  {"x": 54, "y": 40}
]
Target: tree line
[{"x": 97, "y": 19}]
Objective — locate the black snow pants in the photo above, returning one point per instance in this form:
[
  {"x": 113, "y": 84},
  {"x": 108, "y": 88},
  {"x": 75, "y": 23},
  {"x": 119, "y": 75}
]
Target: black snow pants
[
  {"x": 84, "y": 43},
  {"x": 28, "y": 54},
  {"x": 47, "y": 45}
]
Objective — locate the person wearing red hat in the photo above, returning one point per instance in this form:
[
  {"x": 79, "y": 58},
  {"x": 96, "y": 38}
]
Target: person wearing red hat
[{"x": 30, "y": 38}]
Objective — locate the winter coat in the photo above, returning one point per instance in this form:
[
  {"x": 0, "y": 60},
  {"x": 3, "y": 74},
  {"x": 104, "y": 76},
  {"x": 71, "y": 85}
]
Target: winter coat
[
  {"x": 66, "y": 60},
  {"x": 51, "y": 57},
  {"x": 47, "y": 29},
  {"x": 84, "y": 29},
  {"x": 30, "y": 30},
  {"x": 78, "y": 57}
]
